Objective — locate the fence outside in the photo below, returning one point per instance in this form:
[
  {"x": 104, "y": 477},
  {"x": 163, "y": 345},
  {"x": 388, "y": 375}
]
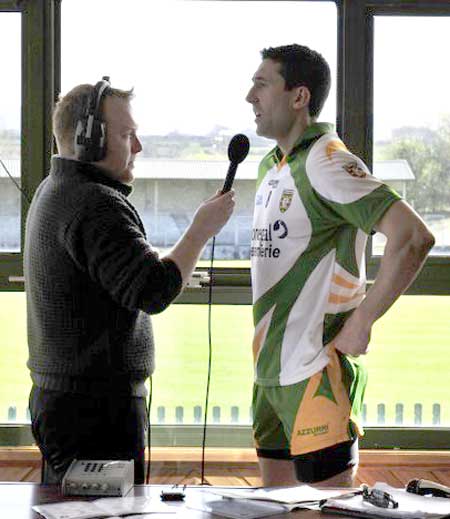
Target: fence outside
[{"x": 236, "y": 417}]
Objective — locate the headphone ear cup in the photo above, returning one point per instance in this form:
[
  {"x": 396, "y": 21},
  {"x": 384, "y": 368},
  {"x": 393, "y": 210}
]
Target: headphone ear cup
[
  {"x": 90, "y": 132},
  {"x": 80, "y": 139},
  {"x": 94, "y": 148},
  {"x": 97, "y": 146}
]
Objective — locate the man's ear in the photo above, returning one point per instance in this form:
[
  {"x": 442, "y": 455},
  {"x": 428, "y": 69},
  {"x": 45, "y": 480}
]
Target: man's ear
[{"x": 302, "y": 97}]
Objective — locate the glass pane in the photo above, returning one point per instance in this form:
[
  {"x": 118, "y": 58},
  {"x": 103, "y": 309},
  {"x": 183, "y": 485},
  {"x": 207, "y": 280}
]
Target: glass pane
[
  {"x": 409, "y": 365},
  {"x": 15, "y": 380},
  {"x": 412, "y": 340},
  {"x": 179, "y": 382},
  {"x": 191, "y": 64},
  {"x": 10, "y": 197},
  {"x": 412, "y": 118}
]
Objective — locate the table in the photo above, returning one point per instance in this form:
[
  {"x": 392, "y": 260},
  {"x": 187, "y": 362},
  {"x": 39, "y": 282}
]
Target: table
[{"x": 16, "y": 500}]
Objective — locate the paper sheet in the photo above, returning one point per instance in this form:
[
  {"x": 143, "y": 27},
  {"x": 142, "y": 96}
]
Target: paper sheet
[
  {"x": 410, "y": 506},
  {"x": 238, "y": 508},
  {"x": 104, "y": 507},
  {"x": 289, "y": 495}
]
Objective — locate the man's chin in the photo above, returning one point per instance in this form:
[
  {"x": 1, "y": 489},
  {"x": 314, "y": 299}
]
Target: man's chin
[
  {"x": 125, "y": 177},
  {"x": 260, "y": 130},
  {"x": 128, "y": 178}
]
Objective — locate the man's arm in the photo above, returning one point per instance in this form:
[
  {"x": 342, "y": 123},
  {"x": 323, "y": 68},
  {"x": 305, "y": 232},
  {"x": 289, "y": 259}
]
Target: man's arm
[
  {"x": 208, "y": 220},
  {"x": 408, "y": 243}
]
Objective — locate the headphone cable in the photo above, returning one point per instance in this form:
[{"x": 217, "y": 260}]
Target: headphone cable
[{"x": 209, "y": 360}]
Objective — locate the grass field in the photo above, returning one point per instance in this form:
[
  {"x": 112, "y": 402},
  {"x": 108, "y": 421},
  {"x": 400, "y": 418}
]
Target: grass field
[{"x": 409, "y": 361}]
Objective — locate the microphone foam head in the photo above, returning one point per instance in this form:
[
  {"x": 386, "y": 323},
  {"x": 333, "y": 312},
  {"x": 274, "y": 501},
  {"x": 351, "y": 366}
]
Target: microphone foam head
[{"x": 238, "y": 148}]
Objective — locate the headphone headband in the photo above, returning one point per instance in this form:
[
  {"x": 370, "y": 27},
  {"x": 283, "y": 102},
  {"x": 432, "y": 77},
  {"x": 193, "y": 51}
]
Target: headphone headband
[
  {"x": 91, "y": 130},
  {"x": 96, "y": 100}
]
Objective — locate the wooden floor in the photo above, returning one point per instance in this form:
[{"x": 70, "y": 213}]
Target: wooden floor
[{"x": 238, "y": 467}]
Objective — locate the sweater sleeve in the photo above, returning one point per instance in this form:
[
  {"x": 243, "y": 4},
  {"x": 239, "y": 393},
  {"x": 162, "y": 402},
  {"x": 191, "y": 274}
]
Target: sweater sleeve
[{"x": 106, "y": 240}]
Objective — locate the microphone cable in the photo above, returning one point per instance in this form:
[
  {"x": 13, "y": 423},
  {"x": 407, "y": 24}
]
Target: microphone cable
[
  {"x": 202, "y": 480},
  {"x": 238, "y": 149},
  {"x": 149, "y": 432}
]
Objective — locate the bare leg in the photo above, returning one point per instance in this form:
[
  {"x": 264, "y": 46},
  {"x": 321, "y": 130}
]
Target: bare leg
[
  {"x": 343, "y": 479},
  {"x": 277, "y": 473}
]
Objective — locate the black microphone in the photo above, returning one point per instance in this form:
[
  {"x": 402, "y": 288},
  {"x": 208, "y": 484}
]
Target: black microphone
[
  {"x": 237, "y": 151},
  {"x": 423, "y": 487}
]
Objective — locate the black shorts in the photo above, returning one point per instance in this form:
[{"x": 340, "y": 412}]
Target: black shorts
[
  {"x": 317, "y": 466},
  {"x": 69, "y": 426}
]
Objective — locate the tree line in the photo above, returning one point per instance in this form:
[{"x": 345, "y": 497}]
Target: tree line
[{"x": 428, "y": 154}]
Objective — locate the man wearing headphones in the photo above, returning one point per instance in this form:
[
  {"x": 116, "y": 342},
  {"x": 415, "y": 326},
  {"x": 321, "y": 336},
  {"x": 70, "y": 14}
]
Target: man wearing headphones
[{"x": 92, "y": 281}]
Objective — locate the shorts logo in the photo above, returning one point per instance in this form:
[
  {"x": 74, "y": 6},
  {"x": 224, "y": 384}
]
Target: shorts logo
[
  {"x": 286, "y": 199},
  {"x": 354, "y": 170},
  {"x": 313, "y": 431}
]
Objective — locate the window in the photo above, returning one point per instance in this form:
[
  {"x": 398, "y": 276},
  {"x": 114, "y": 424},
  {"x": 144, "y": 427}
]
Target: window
[
  {"x": 412, "y": 117},
  {"x": 191, "y": 72},
  {"x": 10, "y": 170},
  {"x": 191, "y": 64},
  {"x": 14, "y": 354},
  {"x": 408, "y": 364},
  {"x": 13, "y": 347},
  {"x": 28, "y": 65},
  {"x": 184, "y": 159},
  {"x": 179, "y": 382}
]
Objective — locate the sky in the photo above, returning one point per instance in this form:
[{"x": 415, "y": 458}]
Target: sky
[{"x": 191, "y": 62}]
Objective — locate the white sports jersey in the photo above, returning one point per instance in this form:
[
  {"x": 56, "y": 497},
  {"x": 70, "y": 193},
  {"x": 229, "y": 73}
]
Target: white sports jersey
[{"x": 313, "y": 212}]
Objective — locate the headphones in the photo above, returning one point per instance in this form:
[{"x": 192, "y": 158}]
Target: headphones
[{"x": 90, "y": 132}]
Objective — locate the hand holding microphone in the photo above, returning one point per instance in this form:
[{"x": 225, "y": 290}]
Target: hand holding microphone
[{"x": 211, "y": 216}]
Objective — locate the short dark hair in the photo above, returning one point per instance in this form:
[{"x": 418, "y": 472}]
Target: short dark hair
[{"x": 302, "y": 66}]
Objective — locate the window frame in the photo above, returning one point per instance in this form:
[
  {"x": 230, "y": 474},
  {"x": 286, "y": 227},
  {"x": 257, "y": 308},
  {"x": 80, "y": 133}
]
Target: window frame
[
  {"x": 41, "y": 65},
  {"x": 355, "y": 105},
  {"x": 40, "y": 87}
]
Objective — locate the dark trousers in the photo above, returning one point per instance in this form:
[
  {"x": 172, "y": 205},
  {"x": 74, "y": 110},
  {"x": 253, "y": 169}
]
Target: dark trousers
[{"x": 68, "y": 426}]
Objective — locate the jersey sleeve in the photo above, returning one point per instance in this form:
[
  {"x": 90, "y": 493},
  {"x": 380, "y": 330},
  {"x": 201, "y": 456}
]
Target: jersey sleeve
[{"x": 345, "y": 184}]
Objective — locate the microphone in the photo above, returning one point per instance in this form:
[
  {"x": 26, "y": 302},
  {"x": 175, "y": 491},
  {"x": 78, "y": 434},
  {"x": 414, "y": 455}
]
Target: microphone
[
  {"x": 423, "y": 487},
  {"x": 237, "y": 151}
]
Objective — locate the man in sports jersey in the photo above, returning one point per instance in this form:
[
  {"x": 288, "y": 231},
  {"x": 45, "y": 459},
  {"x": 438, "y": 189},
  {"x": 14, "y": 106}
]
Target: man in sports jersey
[{"x": 316, "y": 203}]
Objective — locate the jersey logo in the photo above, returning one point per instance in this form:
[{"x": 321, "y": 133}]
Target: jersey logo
[
  {"x": 354, "y": 170},
  {"x": 286, "y": 199},
  {"x": 333, "y": 146},
  {"x": 273, "y": 183},
  {"x": 280, "y": 225}
]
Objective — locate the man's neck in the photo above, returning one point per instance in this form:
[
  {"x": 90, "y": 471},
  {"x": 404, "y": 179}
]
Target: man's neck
[{"x": 295, "y": 133}]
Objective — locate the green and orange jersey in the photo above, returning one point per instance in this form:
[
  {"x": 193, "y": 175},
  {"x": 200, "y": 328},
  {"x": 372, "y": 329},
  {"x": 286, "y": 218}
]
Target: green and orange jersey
[{"x": 314, "y": 210}]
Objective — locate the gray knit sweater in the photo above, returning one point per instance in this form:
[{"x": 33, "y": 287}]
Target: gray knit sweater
[{"x": 91, "y": 281}]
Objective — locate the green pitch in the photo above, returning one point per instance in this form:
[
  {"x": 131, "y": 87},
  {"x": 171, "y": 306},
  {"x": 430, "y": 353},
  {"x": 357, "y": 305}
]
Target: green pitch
[{"x": 408, "y": 361}]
